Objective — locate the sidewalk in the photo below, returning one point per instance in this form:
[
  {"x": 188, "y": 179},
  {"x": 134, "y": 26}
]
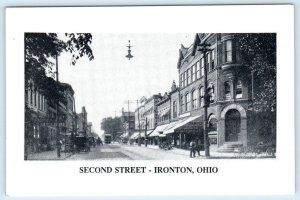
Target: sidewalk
[
  {"x": 48, "y": 155},
  {"x": 214, "y": 154}
]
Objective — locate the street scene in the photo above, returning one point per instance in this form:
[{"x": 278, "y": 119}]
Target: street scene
[{"x": 150, "y": 96}]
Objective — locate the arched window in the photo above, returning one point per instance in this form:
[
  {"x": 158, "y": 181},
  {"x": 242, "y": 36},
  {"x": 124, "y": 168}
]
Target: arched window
[
  {"x": 194, "y": 99},
  {"x": 201, "y": 95},
  {"x": 239, "y": 90},
  {"x": 34, "y": 97},
  {"x": 227, "y": 91},
  {"x": 174, "y": 109},
  {"x": 188, "y": 102},
  {"x": 210, "y": 92}
]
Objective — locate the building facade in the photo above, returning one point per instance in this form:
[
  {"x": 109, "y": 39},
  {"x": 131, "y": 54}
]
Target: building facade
[
  {"x": 36, "y": 128},
  {"x": 128, "y": 122},
  {"x": 228, "y": 87},
  {"x": 40, "y": 118},
  {"x": 150, "y": 113}
]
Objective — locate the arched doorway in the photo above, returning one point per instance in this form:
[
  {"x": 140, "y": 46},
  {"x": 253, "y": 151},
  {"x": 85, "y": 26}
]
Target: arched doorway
[{"x": 232, "y": 125}]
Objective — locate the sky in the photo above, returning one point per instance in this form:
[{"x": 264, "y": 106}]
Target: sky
[{"x": 105, "y": 84}]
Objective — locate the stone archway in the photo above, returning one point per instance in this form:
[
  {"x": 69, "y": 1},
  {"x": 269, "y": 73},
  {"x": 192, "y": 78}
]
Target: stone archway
[{"x": 233, "y": 124}]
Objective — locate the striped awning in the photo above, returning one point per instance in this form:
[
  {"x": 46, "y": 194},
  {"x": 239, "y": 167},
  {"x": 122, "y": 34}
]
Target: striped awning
[
  {"x": 180, "y": 124},
  {"x": 158, "y": 130}
]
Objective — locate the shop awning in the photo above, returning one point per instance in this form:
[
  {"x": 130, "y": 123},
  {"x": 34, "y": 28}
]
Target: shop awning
[
  {"x": 165, "y": 112},
  {"x": 180, "y": 124},
  {"x": 148, "y": 133},
  {"x": 134, "y": 135},
  {"x": 158, "y": 130}
]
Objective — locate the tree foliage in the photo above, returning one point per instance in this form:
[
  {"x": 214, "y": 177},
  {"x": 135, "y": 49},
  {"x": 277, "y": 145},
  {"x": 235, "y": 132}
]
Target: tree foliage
[
  {"x": 258, "y": 51},
  {"x": 42, "y": 48},
  {"x": 112, "y": 126}
]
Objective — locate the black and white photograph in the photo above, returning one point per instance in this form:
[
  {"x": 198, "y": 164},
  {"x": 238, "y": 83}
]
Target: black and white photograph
[
  {"x": 150, "y": 96},
  {"x": 150, "y": 100}
]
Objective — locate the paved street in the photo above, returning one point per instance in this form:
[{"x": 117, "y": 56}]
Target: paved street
[
  {"x": 117, "y": 151},
  {"x": 126, "y": 152}
]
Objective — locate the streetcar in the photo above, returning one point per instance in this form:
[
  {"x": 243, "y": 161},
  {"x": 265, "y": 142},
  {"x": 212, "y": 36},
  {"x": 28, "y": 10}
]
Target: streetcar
[{"x": 107, "y": 138}]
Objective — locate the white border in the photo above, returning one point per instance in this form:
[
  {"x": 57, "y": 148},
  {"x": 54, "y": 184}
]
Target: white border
[{"x": 53, "y": 178}]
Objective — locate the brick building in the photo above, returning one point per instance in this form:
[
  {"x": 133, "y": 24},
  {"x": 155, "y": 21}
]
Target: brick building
[
  {"x": 40, "y": 118},
  {"x": 228, "y": 88},
  {"x": 146, "y": 117}
]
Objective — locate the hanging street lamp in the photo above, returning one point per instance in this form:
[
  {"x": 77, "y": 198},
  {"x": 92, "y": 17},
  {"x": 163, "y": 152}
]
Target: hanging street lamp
[{"x": 129, "y": 56}]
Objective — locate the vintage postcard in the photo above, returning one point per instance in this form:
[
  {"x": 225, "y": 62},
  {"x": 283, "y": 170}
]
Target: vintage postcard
[{"x": 132, "y": 98}]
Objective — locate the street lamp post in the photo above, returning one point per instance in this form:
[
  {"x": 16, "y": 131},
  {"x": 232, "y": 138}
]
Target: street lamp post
[{"x": 204, "y": 48}]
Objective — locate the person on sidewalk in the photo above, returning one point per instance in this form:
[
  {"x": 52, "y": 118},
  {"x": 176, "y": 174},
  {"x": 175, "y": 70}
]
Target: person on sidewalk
[
  {"x": 197, "y": 149},
  {"x": 192, "y": 148}
]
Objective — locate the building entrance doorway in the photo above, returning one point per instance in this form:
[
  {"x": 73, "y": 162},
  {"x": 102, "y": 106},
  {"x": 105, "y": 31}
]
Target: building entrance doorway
[{"x": 232, "y": 125}]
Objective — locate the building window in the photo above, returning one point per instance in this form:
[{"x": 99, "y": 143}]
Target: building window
[
  {"x": 31, "y": 94},
  {"x": 193, "y": 71},
  {"x": 174, "y": 109},
  {"x": 188, "y": 102},
  {"x": 202, "y": 67},
  {"x": 182, "y": 103},
  {"x": 201, "y": 95},
  {"x": 184, "y": 78},
  {"x": 239, "y": 90},
  {"x": 213, "y": 59},
  {"x": 40, "y": 101},
  {"x": 188, "y": 76},
  {"x": 208, "y": 62},
  {"x": 34, "y": 97},
  {"x": 227, "y": 91},
  {"x": 181, "y": 80},
  {"x": 197, "y": 70},
  {"x": 44, "y": 103},
  {"x": 228, "y": 51},
  {"x": 194, "y": 98}
]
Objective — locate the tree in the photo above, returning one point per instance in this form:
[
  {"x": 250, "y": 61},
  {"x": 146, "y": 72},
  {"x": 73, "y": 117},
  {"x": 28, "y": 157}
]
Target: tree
[
  {"x": 112, "y": 126},
  {"x": 258, "y": 51},
  {"x": 41, "y": 47}
]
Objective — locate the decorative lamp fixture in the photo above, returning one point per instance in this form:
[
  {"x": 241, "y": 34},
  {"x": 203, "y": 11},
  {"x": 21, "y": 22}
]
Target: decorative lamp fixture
[{"x": 129, "y": 56}]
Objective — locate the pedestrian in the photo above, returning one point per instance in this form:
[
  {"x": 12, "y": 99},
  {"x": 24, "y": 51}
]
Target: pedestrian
[
  {"x": 192, "y": 148},
  {"x": 197, "y": 149}
]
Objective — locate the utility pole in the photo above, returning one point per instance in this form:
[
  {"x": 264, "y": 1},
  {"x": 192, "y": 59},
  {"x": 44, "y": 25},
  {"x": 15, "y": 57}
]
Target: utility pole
[
  {"x": 57, "y": 120},
  {"x": 139, "y": 139},
  {"x": 146, "y": 132},
  {"x": 252, "y": 89},
  {"x": 204, "y": 48},
  {"x": 128, "y": 117}
]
